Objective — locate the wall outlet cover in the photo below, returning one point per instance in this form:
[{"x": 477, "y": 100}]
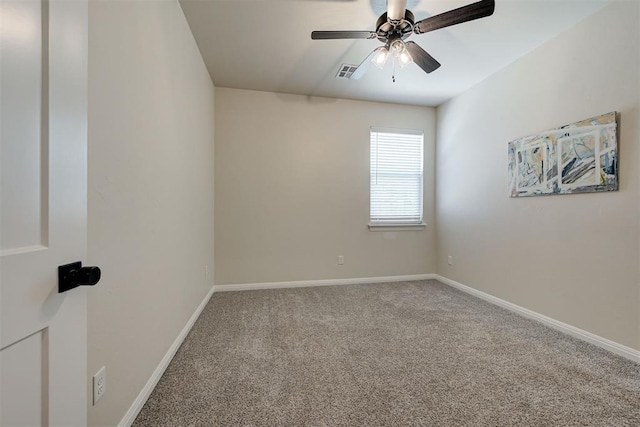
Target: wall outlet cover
[{"x": 99, "y": 384}]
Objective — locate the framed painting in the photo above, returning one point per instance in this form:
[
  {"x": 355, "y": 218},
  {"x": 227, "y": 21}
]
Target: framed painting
[{"x": 578, "y": 158}]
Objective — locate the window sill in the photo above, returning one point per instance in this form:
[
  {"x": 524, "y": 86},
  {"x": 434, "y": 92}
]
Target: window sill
[{"x": 397, "y": 227}]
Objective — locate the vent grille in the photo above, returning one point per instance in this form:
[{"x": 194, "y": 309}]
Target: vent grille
[{"x": 346, "y": 70}]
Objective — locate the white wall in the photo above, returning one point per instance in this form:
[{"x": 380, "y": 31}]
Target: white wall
[
  {"x": 292, "y": 189},
  {"x": 151, "y": 110},
  {"x": 571, "y": 257}
]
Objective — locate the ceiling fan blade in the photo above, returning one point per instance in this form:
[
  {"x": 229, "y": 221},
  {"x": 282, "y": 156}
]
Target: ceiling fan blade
[
  {"x": 395, "y": 9},
  {"x": 462, "y": 14},
  {"x": 422, "y": 58},
  {"x": 332, "y": 35}
]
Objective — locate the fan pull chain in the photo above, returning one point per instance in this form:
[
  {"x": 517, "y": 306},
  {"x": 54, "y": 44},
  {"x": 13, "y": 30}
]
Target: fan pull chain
[{"x": 393, "y": 73}]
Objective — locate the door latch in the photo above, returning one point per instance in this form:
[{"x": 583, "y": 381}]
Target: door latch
[{"x": 73, "y": 275}]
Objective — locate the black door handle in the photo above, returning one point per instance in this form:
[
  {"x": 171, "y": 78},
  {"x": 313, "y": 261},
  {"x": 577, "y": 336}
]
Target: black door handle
[{"x": 73, "y": 275}]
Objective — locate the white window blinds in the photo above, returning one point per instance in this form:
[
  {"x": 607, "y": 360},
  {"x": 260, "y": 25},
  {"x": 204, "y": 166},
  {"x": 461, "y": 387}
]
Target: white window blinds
[{"x": 396, "y": 176}]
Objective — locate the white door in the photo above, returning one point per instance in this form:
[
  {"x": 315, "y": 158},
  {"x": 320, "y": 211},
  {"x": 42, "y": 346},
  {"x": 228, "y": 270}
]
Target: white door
[{"x": 43, "y": 160}]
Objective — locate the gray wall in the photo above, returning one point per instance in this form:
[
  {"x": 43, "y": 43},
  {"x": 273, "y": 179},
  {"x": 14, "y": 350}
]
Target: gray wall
[
  {"x": 151, "y": 109},
  {"x": 292, "y": 189},
  {"x": 571, "y": 257}
]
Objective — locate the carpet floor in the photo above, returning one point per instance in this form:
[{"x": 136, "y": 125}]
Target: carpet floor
[{"x": 391, "y": 354}]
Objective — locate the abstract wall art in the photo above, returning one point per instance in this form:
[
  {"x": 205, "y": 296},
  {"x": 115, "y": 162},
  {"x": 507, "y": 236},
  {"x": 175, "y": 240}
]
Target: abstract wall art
[{"x": 578, "y": 158}]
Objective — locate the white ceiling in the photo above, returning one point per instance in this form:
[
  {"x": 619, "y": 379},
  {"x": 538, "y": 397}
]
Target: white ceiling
[{"x": 266, "y": 45}]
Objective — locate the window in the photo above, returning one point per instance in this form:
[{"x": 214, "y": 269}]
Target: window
[{"x": 396, "y": 178}]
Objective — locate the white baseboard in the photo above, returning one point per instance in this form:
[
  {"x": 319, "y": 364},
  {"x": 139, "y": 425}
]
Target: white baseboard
[
  {"x": 614, "y": 347},
  {"x": 324, "y": 282},
  {"x": 144, "y": 394}
]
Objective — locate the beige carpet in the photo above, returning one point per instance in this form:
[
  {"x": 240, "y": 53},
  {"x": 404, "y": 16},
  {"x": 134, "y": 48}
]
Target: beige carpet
[{"x": 414, "y": 353}]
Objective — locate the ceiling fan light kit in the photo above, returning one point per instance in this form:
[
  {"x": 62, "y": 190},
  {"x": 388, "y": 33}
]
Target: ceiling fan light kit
[
  {"x": 398, "y": 23},
  {"x": 381, "y": 54},
  {"x": 401, "y": 53}
]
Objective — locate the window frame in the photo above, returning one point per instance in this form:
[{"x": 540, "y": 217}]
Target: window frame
[{"x": 390, "y": 225}]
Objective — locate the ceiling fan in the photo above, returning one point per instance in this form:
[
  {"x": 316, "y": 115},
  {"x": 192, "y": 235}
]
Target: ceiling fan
[{"x": 398, "y": 23}]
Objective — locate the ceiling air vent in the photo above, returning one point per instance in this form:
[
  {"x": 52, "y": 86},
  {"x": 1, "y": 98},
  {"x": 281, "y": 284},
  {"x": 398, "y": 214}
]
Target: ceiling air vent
[{"x": 345, "y": 71}]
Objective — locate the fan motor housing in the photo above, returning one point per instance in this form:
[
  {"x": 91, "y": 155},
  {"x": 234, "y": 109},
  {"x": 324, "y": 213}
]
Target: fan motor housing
[{"x": 385, "y": 29}]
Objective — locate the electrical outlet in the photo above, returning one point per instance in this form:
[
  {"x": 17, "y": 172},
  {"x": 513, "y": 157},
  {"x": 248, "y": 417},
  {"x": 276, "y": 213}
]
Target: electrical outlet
[
  {"x": 340, "y": 260},
  {"x": 99, "y": 384},
  {"x": 450, "y": 260}
]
